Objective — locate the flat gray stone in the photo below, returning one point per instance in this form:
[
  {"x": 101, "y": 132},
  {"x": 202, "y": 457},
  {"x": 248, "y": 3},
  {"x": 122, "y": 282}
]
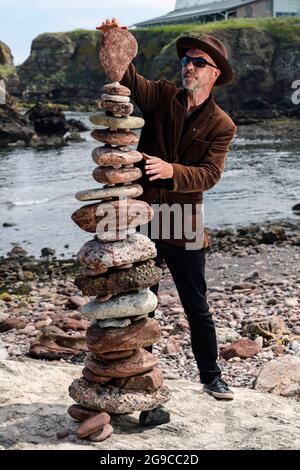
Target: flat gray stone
[
  {"x": 123, "y": 305},
  {"x": 132, "y": 190},
  {"x": 113, "y": 323},
  {"x": 114, "y": 399},
  {"x": 98, "y": 255},
  {"x": 130, "y": 122}
]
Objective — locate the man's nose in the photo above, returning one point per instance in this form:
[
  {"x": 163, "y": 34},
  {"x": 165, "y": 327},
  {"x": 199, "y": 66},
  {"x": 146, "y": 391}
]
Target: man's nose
[{"x": 189, "y": 66}]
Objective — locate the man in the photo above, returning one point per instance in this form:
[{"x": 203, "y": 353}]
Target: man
[{"x": 185, "y": 142}]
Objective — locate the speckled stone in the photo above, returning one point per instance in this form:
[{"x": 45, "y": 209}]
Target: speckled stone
[
  {"x": 120, "y": 138},
  {"x": 116, "y": 88},
  {"x": 130, "y": 122},
  {"x": 130, "y": 191},
  {"x": 114, "y": 399},
  {"x": 140, "y": 334},
  {"x": 98, "y": 255},
  {"x": 118, "y": 47},
  {"x": 122, "y": 305},
  {"x": 116, "y": 175},
  {"x": 115, "y": 98},
  {"x": 140, "y": 362},
  {"x": 116, "y": 215},
  {"x": 139, "y": 276},
  {"x": 116, "y": 109},
  {"x": 115, "y": 157}
]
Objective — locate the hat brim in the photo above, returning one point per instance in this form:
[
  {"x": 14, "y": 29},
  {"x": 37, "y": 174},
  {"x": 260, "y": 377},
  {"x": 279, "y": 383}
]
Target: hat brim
[{"x": 185, "y": 43}]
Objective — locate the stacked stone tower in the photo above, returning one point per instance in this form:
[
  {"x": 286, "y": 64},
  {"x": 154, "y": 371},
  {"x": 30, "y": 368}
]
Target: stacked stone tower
[{"x": 120, "y": 375}]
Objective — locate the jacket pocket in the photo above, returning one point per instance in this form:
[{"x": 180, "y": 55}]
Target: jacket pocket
[{"x": 196, "y": 150}]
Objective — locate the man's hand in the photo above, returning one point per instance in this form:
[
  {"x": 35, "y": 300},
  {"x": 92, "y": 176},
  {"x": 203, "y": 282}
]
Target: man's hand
[
  {"x": 158, "y": 168},
  {"x": 110, "y": 24}
]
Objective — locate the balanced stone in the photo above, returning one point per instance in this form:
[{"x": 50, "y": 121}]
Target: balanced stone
[
  {"x": 116, "y": 355},
  {"x": 147, "y": 381},
  {"x": 115, "y": 235},
  {"x": 140, "y": 362},
  {"x": 79, "y": 413},
  {"x": 112, "y": 323},
  {"x": 139, "y": 276},
  {"x": 122, "y": 305},
  {"x": 116, "y": 109},
  {"x": 114, "y": 399},
  {"x": 118, "y": 48},
  {"x": 116, "y": 176},
  {"x": 130, "y": 122},
  {"x": 133, "y": 190},
  {"x": 92, "y": 424},
  {"x": 140, "y": 334},
  {"x": 115, "y": 98},
  {"x": 116, "y": 89},
  {"x": 121, "y": 137},
  {"x": 115, "y": 215},
  {"x": 97, "y": 255},
  {"x": 92, "y": 377},
  {"x": 115, "y": 157}
]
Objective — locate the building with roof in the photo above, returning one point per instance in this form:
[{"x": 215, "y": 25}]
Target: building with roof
[{"x": 204, "y": 11}]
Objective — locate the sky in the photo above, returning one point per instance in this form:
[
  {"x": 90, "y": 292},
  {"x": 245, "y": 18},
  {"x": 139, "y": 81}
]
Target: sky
[{"x": 22, "y": 20}]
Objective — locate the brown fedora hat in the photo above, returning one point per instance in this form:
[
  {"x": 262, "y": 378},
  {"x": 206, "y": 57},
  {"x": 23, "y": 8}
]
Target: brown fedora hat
[{"x": 214, "y": 48}]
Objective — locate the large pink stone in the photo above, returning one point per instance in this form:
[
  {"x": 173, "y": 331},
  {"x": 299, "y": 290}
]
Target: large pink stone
[{"x": 118, "y": 48}]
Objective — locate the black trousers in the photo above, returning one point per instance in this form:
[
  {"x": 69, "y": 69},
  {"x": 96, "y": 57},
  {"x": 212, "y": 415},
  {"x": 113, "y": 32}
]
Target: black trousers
[{"x": 187, "y": 268}]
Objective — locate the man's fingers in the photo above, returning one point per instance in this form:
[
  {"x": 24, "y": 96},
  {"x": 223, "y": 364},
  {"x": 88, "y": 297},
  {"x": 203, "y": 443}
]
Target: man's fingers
[
  {"x": 156, "y": 177},
  {"x": 152, "y": 172}
]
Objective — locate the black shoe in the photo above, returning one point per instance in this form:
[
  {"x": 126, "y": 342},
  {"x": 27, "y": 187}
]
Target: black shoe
[
  {"x": 218, "y": 388},
  {"x": 155, "y": 417}
]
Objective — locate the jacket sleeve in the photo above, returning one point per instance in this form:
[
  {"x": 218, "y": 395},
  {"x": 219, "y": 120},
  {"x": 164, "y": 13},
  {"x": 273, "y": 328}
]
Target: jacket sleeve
[
  {"x": 145, "y": 93},
  {"x": 207, "y": 173}
]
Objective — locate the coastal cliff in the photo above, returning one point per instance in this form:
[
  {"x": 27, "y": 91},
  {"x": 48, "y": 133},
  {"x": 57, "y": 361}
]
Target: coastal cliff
[{"x": 265, "y": 54}]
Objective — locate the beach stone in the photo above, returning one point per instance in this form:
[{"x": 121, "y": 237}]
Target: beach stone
[
  {"x": 118, "y": 48},
  {"x": 114, "y": 399},
  {"x": 121, "y": 305},
  {"x": 115, "y": 98},
  {"x": 133, "y": 190},
  {"x": 52, "y": 343},
  {"x": 72, "y": 321},
  {"x": 139, "y": 276},
  {"x": 269, "y": 327},
  {"x": 112, "y": 323},
  {"x": 148, "y": 381},
  {"x": 116, "y": 109},
  {"x": 91, "y": 377},
  {"x": 155, "y": 417},
  {"x": 280, "y": 376},
  {"x": 115, "y": 236},
  {"x": 115, "y": 175},
  {"x": 92, "y": 424},
  {"x": 137, "y": 335},
  {"x": 119, "y": 138},
  {"x": 97, "y": 255},
  {"x": 140, "y": 362},
  {"x": 116, "y": 355},
  {"x": 79, "y": 413},
  {"x": 115, "y": 123},
  {"x": 102, "y": 434},
  {"x": 115, "y": 156},
  {"x": 116, "y": 88},
  {"x": 116, "y": 215},
  {"x": 242, "y": 348}
]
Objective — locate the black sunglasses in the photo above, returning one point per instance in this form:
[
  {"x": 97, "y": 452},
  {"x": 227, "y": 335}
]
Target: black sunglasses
[{"x": 199, "y": 62}]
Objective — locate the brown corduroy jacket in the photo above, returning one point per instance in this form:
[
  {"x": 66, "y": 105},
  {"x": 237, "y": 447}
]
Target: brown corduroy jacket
[{"x": 198, "y": 155}]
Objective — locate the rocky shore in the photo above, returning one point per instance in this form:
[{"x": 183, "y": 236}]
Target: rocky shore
[{"x": 253, "y": 280}]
